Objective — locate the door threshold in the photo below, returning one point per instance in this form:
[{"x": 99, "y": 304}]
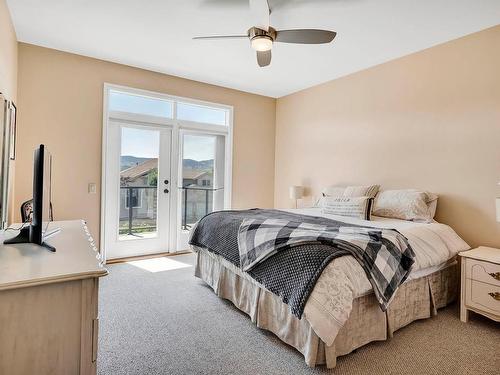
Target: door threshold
[{"x": 149, "y": 256}]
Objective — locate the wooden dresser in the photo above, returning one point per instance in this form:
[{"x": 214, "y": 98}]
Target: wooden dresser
[
  {"x": 480, "y": 283},
  {"x": 49, "y": 304}
]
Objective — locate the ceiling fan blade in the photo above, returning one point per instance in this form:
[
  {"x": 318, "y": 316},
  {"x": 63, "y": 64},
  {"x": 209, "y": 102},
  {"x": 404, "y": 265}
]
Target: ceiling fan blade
[
  {"x": 216, "y": 37},
  {"x": 263, "y": 58},
  {"x": 261, "y": 12},
  {"x": 305, "y": 36}
]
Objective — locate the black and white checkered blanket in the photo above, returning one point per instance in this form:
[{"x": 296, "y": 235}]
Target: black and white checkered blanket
[
  {"x": 287, "y": 252},
  {"x": 384, "y": 254}
]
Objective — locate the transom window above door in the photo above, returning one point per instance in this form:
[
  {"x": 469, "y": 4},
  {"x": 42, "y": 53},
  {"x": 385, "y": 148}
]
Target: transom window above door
[
  {"x": 126, "y": 102},
  {"x": 185, "y": 110}
]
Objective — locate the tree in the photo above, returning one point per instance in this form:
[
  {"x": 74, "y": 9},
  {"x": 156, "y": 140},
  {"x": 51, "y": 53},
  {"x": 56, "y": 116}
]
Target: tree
[{"x": 153, "y": 177}]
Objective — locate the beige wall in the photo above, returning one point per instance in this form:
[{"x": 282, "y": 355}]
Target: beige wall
[
  {"x": 430, "y": 120},
  {"x": 8, "y": 78},
  {"x": 8, "y": 54},
  {"x": 60, "y": 104}
]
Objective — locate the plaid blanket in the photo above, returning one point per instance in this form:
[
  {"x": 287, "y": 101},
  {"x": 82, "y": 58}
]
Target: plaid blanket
[
  {"x": 384, "y": 254},
  {"x": 291, "y": 273}
]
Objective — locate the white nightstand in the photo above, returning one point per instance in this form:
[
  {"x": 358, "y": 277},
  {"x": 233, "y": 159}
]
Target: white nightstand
[{"x": 480, "y": 283}]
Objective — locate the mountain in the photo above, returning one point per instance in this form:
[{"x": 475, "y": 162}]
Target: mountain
[
  {"x": 198, "y": 164},
  {"x": 128, "y": 161}
]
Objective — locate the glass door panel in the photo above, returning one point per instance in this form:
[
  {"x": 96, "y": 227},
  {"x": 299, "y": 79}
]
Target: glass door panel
[
  {"x": 201, "y": 179},
  {"x": 138, "y": 183},
  {"x": 198, "y": 156},
  {"x": 137, "y": 190}
]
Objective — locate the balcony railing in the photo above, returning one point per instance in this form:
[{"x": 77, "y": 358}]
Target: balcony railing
[
  {"x": 196, "y": 203},
  {"x": 138, "y": 208},
  {"x": 137, "y": 213}
]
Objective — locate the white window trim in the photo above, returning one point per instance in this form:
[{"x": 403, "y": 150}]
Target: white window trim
[{"x": 177, "y": 126}]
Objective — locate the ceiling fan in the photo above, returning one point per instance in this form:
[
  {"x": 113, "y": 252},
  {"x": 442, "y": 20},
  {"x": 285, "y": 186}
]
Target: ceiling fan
[{"x": 262, "y": 36}]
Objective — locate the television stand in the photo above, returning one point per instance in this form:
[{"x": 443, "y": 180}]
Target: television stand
[
  {"x": 24, "y": 237},
  {"x": 48, "y": 247},
  {"x": 49, "y": 320}
]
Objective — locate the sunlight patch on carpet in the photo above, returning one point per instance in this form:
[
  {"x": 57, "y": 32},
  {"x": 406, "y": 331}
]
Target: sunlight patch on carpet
[{"x": 158, "y": 264}]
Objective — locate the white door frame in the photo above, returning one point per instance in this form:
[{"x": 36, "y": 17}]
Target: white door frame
[{"x": 176, "y": 126}]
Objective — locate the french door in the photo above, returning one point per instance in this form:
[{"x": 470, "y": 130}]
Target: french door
[
  {"x": 166, "y": 164},
  {"x": 137, "y": 189}
]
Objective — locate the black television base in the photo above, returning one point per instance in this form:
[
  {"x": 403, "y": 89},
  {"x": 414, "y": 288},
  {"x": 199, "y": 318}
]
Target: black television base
[{"x": 24, "y": 237}]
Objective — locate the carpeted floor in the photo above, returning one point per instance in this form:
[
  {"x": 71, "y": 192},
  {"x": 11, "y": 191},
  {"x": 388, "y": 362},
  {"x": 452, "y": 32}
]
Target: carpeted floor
[{"x": 169, "y": 322}]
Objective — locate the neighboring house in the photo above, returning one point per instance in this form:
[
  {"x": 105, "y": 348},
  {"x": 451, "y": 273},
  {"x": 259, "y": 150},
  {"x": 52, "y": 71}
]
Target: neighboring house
[
  {"x": 138, "y": 174},
  {"x": 143, "y": 200},
  {"x": 197, "y": 177},
  {"x": 196, "y": 202}
]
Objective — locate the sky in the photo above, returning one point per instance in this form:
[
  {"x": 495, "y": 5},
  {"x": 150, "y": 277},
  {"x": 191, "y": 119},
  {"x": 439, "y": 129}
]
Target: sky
[
  {"x": 145, "y": 142},
  {"x": 142, "y": 143},
  {"x": 199, "y": 147}
]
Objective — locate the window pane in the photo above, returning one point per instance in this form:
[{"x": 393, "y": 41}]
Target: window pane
[
  {"x": 198, "y": 113},
  {"x": 138, "y": 183},
  {"x": 124, "y": 102},
  {"x": 197, "y": 178}
]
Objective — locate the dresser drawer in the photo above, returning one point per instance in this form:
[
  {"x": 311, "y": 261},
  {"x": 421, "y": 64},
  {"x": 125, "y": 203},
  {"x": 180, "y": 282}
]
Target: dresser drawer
[
  {"x": 482, "y": 271},
  {"x": 483, "y": 296}
]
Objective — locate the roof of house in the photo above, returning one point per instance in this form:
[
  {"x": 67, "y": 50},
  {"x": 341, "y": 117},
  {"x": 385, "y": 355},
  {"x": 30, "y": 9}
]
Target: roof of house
[
  {"x": 145, "y": 167},
  {"x": 139, "y": 169},
  {"x": 194, "y": 174}
]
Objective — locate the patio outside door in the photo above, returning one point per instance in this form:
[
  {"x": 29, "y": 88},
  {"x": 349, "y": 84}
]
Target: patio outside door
[{"x": 138, "y": 189}]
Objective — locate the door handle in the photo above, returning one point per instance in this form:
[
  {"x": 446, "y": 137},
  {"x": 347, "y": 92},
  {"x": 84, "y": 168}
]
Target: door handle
[
  {"x": 165, "y": 191},
  {"x": 166, "y": 182}
]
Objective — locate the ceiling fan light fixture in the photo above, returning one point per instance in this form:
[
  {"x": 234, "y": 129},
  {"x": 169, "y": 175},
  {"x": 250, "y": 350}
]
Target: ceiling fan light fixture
[{"x": 262, "y": 43}]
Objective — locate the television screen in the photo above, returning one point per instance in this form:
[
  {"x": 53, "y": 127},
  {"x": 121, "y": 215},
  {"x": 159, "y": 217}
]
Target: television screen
[
  {"x": 47, "y": 171},
  {"x": 41, "y": 194}
]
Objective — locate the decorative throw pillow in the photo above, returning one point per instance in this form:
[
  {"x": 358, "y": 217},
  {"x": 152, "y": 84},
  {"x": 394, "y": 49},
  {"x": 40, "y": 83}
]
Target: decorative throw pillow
[
  {"x": 432, "y": 201},
  {"x": 351, "y": 191},
  {"x": 403, "y": 204},
  {"x": 362, "y": 191},
  {"x": 358, "y": 207}
]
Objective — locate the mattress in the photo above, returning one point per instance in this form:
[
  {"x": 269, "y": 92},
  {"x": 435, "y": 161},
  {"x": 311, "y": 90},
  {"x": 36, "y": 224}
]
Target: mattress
[{"x": 343, "y": 280}]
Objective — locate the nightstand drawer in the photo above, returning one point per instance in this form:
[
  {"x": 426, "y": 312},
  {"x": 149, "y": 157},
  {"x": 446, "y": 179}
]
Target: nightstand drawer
[
  {"x": 483, "y": 296},
  {"x": 482, "y": 271}
]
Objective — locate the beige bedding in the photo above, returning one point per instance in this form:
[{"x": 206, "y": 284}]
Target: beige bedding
[{"x": 343, "y": 280}]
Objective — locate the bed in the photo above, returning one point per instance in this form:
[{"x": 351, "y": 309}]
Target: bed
[{"x": 341, "y": 313}]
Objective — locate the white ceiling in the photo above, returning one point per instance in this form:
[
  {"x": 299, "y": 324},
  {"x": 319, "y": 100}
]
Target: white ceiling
[{"x": 156, "y": 35}]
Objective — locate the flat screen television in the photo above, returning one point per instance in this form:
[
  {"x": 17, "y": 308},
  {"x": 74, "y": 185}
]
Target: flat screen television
[{"x": 37, "y": 231}]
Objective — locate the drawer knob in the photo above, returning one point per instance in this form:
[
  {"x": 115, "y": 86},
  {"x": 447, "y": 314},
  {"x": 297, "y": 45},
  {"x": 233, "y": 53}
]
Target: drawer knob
[
  {"x": 495, "y": 295},
  {"x": 495, "y": 275}
]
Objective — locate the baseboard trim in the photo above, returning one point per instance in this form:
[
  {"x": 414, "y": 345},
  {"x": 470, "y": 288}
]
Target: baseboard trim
[{"x": 149, "y": 256}]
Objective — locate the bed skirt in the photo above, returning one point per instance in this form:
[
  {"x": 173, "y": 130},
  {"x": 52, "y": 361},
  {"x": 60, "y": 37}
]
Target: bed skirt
[{"x": 416, "y": 299}]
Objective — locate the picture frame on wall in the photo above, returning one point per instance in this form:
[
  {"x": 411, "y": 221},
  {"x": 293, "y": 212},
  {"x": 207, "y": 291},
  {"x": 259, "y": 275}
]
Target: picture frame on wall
[{"x": 12, "y": 131}]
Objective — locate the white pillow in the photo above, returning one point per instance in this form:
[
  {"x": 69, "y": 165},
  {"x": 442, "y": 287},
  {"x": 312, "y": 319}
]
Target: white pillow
[
  {"x": 333, "y": 191},
  {"x": 404, "y": 204},
  {"x": 351, "y": 191},
  {"x": 358, "y": 207}
]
